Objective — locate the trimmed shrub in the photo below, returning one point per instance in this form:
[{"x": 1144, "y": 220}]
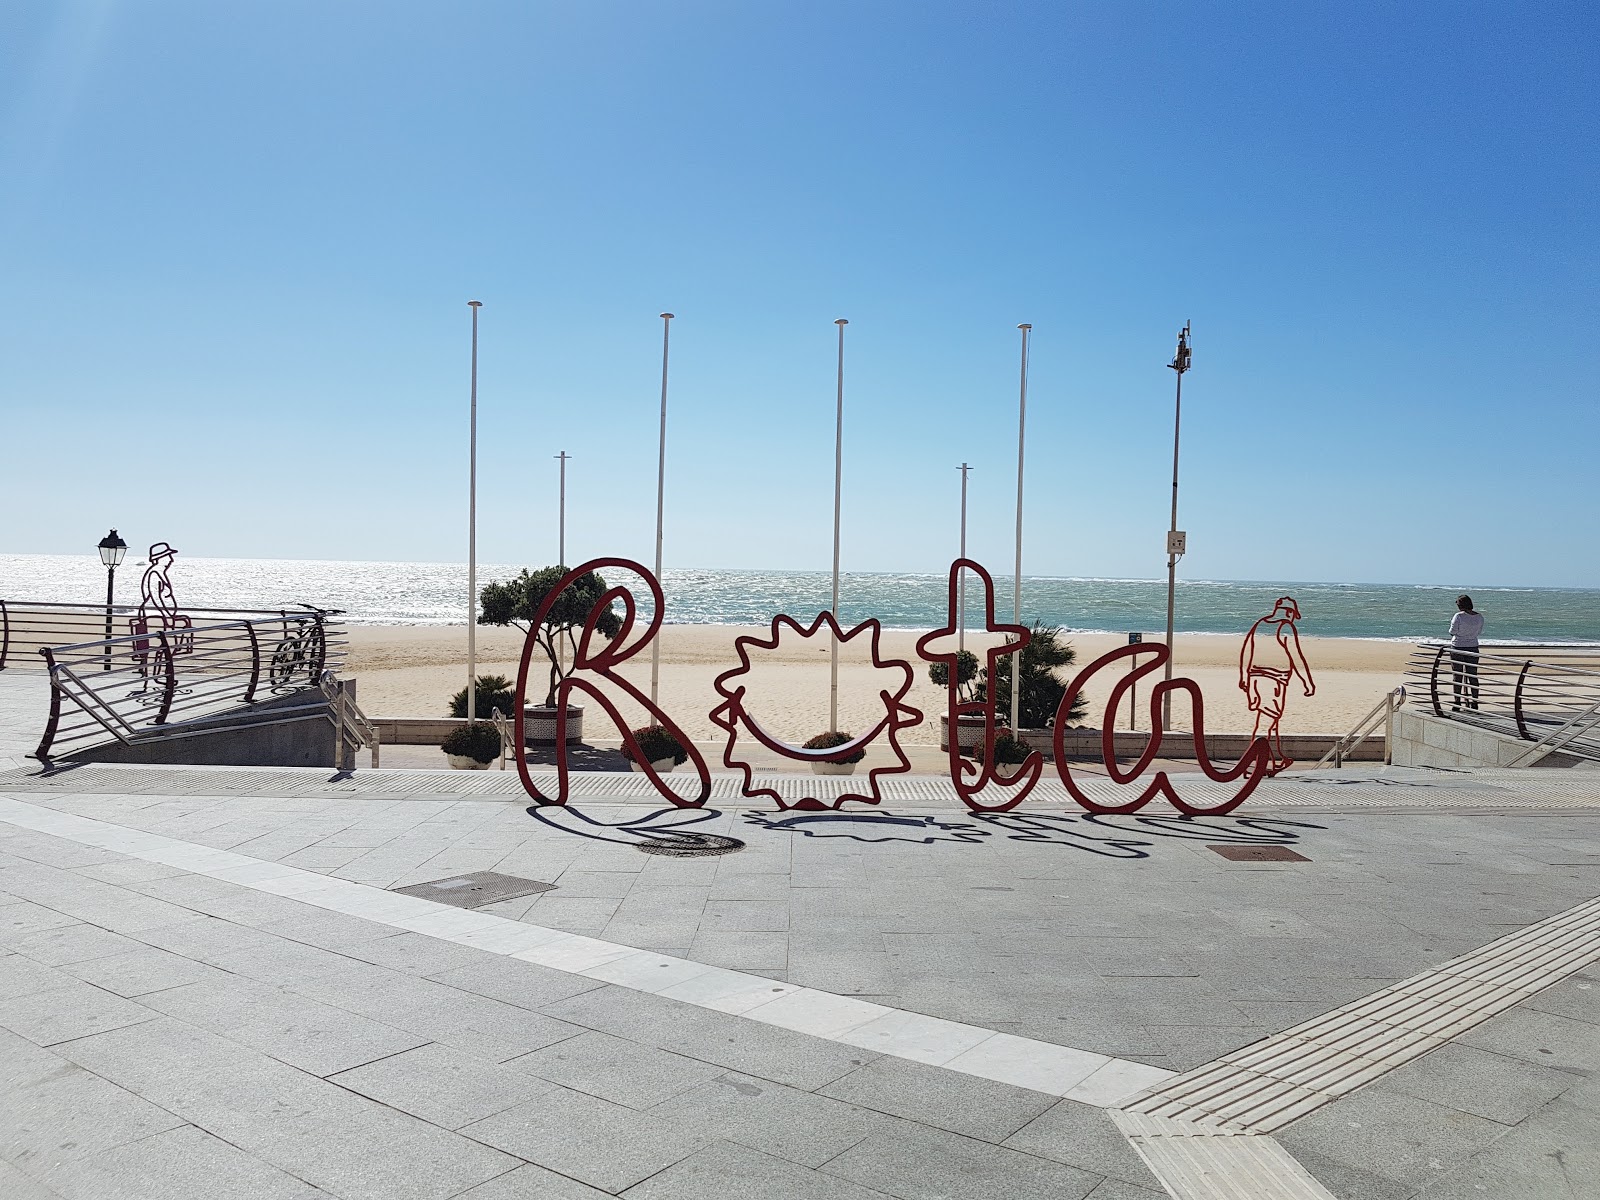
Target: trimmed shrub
[
  {"x": 476, "y": 740},
  {"x": 830, "y": 739},
  {"x": 655, "y": 743}
]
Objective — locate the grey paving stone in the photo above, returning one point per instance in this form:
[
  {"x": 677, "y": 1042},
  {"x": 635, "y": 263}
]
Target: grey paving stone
[
  {"x": 594, "y": 1141},
  {"x": 183, "y": 1162},
  {"x": 949, "y": 1100},
  {"x": 529, "y": 1182},
  {"x": 279, "y": 960},
  {"x": 1391, "y": 1135},
  {"x": 849, "y": 973},
  {"x": 14, "y": 1185},
  {"x": 311, "y": 1129},
  {"x": 23, "y": 917},
  {"x": 587, "y": 915},
  {"x": 205, "y": 939},
  {"x": 1081, "y": 1135},
  {"x": 442, "y": 1086},
  {"x": 413, "y": 953},
  {"x": 1189, "y": 1046},
  {"x": 1475, "y": 1081},
  {"x": 746, "y": 916},
  {"x": 70, "y": 1113},
  {"x": 315, "y": 1037},
  {"x": 616, "y": 1069},
  {"x": 74, "y": 1011},
  {"x": 1349, "y": 1182},
  {"x": 1577, "y": 998},
  {"x": 918, "y": 1163},
  {"x": 22, "y": 976},
  {"x": 73, "y": 943},
  {"x": 1554, "y": 1153},
  {"x": 780, "y": 1055},
  {"x": 611, "y": 885},
  {"x": 1539, "y": 1037},
  {"x": 143, "y": 970},
  {"x": 800, "y": 1126},
  {"x": 330, "y": 930},
  {"x": 736, "y": 1173},
  {"x": 524, "y": 984},
  {"x": 741, "y": 951},
  {"x": 130, "y": 870},
  {"x": 1116, "y": 1189}
]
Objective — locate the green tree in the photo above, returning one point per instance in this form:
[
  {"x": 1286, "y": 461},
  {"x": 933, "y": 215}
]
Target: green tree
[
  {"x": 516, "y": 601},
  {"x": 967, "y": 673},
  {"x": 1042, "y": 688}
]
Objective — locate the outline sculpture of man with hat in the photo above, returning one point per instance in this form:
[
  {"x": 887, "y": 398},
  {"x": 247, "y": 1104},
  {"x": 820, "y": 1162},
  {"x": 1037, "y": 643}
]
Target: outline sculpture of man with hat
[
  {"x": 1270, "y": 657},
  {"x": 158, "y": 611}
]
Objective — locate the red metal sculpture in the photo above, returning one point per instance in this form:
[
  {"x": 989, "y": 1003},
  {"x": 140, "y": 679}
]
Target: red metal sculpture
[
  {"x": 1252, "y": 767},
  {"x": 731, "y": 714},
  {"x": 596, "y": 663},
  {"x": 972, "y": 778},
  {"x": 1269, "y": 658}
]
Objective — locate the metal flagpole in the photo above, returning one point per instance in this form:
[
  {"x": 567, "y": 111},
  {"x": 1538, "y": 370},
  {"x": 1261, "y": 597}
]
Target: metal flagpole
[
  {"x": 561, "y": 517},
  {"x": 1177, "y": 542},
  {"x": 961, "y": 604},
  {"x": 838, "y": 475},
  {"x": 661, "y": 492},
  {"x": 472, "y": 530},
  {"x": 1016, "y": 581}
]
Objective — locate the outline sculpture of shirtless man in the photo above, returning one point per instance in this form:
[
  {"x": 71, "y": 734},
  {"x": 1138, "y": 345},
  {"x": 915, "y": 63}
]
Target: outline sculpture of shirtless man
[{"x": 1270, "y": 657}]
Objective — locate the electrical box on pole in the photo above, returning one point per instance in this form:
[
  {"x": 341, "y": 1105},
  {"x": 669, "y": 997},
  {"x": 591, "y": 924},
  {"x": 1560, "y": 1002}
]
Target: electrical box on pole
[{"x": 1177, "y": 542}]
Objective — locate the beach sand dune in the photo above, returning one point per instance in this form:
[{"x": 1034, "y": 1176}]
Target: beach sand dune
[{"x": 411, "y": 671}]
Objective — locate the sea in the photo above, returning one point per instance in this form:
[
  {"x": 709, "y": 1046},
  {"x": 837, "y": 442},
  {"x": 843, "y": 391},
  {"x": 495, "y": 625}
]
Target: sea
[{"x": 423, "y": 593}]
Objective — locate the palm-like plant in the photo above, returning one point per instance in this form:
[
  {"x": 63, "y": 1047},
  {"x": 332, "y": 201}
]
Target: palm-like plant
[{"x": 1042, "y": 688}]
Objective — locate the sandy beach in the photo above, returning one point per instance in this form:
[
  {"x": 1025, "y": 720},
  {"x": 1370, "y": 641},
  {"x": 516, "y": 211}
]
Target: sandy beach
[{"x": 412, "y": 671}]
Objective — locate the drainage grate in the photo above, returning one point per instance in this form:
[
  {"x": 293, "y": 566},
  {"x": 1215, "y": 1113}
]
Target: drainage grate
[
  {"x": 476, "y": 889},
  {"x": 1259, "y": 854},
  {"x": 692, "y": 845}
]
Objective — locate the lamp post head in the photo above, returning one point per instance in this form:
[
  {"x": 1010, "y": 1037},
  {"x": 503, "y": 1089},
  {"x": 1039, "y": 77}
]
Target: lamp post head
[
  {"x": 841, "y": 321},
  {"x": 1180, "y": 360},
  {"x": 112, "y": 549},
  {"x": 474, "y": 303},
  {"x": 1025, "y": 326},
  {"x": 667, "y": 316}
]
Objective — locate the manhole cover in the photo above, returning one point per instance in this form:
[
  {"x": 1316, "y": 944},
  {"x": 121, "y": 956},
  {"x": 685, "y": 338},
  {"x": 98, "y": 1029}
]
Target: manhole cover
[
  {"x": 476, "y": 889},
  {"x": 1259, "y": 853},
  {"x": 692, "y": 845}
]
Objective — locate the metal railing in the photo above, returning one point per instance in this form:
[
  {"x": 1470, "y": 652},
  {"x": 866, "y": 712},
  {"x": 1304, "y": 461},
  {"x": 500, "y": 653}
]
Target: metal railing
[
  {"x": 1535, "y": 693},
  {"x": 153, "y": 683},
  {"x": 28, "y": 626},
  {"x": 1382, "y": 711},
  {"x": 352, "y": 727}
]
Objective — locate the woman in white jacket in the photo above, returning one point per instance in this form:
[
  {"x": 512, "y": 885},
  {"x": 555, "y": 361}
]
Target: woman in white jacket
[{"x": 1465, "y": 629}]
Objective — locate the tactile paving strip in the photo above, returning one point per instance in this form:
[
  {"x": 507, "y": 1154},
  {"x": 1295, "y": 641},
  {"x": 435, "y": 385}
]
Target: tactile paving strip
[{"x": 1279, "y": 1079}]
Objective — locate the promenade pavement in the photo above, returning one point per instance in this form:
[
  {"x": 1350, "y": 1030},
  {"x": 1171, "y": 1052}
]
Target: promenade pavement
[{"x": 210, "y": 986}]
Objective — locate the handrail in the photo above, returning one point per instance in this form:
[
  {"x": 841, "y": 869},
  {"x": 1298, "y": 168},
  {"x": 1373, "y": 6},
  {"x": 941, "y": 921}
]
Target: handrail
[
  {"x": 1579, "y": 725},
  {"x": 1385, "y": 709},
  {"x": 139, "y": 686},
  {"x": 503, "y": 727},
  {"x": 1539, "y": 694},
  {"x": 345, "y": 712}
]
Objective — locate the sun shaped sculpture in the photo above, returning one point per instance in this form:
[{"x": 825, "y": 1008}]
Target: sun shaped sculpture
[{"x": 735, "y": 718}]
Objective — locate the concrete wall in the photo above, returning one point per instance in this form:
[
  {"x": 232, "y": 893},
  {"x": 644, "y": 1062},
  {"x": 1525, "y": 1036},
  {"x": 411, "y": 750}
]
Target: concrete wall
[
  {"x": 307, "y": 742},
  {"x": 1305, "y": 748},
  {"x": 1423, "y": 739}
]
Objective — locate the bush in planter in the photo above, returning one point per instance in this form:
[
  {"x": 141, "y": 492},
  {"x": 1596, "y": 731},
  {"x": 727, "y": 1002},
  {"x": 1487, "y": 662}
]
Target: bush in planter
[
  {"x": 967, "y": 673},
  {"x": 477, "y": 740},
  {"x": 515, "y": 602},
  {"x": 493, "y": 691},
  {"x": 655, "y": 743},
  {"x": 830, "y": 739}
]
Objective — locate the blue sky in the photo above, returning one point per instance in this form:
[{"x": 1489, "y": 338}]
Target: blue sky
[{"x": 237, "y": 241}]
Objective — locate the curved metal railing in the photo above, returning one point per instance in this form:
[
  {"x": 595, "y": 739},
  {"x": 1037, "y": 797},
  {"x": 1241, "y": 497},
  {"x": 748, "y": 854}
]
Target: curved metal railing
[{"x": 1529, "y": 692}]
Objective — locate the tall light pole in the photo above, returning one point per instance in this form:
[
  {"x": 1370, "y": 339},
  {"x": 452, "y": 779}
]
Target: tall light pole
[
  {"x": 561, "y": 512},
  {"x": 1016, "y": 578},
  {"x": 961, "y": 603},
  {"x": 661, "y": 493},
  {"x": 112, "y": 549},
  {"x": 472, "y": 530},
  {"x": 838, "y": 477},
  {"x": 1177, "y": 542}
]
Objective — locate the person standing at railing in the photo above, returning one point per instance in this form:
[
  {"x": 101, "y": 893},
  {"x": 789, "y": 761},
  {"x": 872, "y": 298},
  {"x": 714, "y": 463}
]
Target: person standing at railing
[{"x": 1466, "y": 627}]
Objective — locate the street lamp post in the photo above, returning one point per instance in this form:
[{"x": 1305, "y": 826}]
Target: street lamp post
[
  {"x": 112, "y": 549},
  {"x": 561, "y": 512},
  {"x": 661, "y": 495},
  {"x": 838, "y": 478},
  {"x": 961, "y": 603},
  {"x": 1177, "y": 541}
]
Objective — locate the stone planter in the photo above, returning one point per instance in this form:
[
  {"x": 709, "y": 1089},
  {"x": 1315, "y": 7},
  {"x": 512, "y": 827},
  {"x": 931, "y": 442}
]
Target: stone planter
[
  {"x": 833, "y": 768},
  {"x": 462, "y": 762},
  {"x": 661, "y": 766},
  {"x": 969, "y": 733},
  {"x": 539, "y": 725}
]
